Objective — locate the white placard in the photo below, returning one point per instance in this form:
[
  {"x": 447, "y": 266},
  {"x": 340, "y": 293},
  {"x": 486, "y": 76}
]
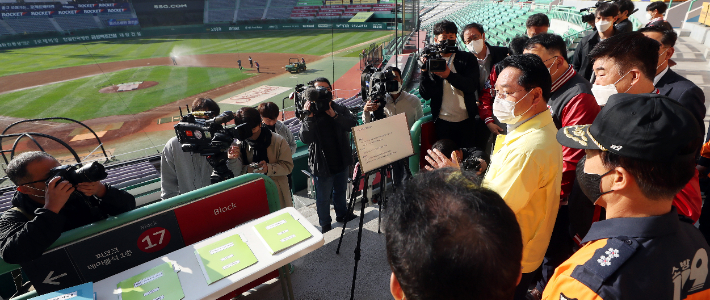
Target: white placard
[{"x": 383, "y": 142}]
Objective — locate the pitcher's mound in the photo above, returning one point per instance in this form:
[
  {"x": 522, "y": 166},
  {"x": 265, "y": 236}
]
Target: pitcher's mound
[{"x": 127, "y": 87}]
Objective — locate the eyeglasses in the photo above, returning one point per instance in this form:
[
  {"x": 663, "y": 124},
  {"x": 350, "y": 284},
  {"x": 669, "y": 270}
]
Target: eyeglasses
[
  {"x": 503, "y": 95},
  {"x": 36, "y": 181}
]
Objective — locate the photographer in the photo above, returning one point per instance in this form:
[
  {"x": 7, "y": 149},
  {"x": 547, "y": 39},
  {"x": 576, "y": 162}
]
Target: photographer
[
  {"x": 453, "y": 91},
  {"x": 397, "y": 102},
  {"x": 270, "y": 151},
  {"x": 45, "y": 205},
  {"x": 605, "y": 16},
  {"x": 329, "y": 151},
  {"x": 181, "y": 171},
  {"x": 623, "y": 24}
]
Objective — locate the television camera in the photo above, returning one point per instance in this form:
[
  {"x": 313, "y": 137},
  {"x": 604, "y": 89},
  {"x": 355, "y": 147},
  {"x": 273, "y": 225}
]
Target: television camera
[
  {"x": 203, "y": 133},
  {"x": 433, "y": 53},
  {"x": 319, "y": 97},
  {"x": 375, "y": 83}
]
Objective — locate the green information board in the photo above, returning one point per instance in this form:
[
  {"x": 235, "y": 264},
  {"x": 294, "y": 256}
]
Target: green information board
[
  {"x": 160, "y": 282},
  {"x": 224, "y": 257},
  {"x": 281, "y": 232},
  {"x": 361, "y": 17}
]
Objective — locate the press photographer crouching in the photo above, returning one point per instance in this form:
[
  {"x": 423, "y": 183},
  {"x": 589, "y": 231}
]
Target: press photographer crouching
[
  {"x": 445, "y": 153},
  {"x": 325, "y": 126},
  {"x": 395, "y": 102},
  {"x": 261, "y": 151},
  {"x": 51, "y": 199}
]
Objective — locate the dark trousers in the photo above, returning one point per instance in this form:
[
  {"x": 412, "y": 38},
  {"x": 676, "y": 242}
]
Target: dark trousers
[
  {"x": 522, "y": 289},
  {"x": 560, "y": 249},
  {"x": 468, "y": 133},
  {"x": 401, "y": 172}
]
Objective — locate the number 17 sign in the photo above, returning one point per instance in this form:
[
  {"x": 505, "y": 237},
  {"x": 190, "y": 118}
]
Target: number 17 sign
[{"x": 127, "y": 246}]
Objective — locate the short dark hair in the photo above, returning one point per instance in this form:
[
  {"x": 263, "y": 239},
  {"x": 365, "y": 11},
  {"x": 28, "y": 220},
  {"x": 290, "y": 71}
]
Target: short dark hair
[
  {"x": 517, "y": 45},
  {"x": 269, "y": 110},
  {"x": 448, "y": 238},
  {"x": 660, "y": 6},
  {"x": 538, "y": 19},
  {"x": 445, "y": 26},
  {"x": 660, "y": 179},
  {"x": 631, "y": 49},
  {"x": 323, "y": 79},
  {"x": 534, "y": 73},
  {"x": 668, "y": 38},
  {"x": 606, "y": 9},
  {"x": 205, "y": 104},
  {"x": 551, "y": 42},
  {"x": 625, "y": 5},
  {"x": 476, "y": 26},
  {"x": 17, "y": 168},
  {"x": 248, "y": 115},
  {"x": 395, "y": 69},
  {"x": 445, "y": 146}
]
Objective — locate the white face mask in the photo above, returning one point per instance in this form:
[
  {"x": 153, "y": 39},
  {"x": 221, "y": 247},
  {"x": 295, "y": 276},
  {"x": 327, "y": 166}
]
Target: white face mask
[
  {"x": 602, "y": 25},
  {"x": 399, "y": 90},
  {"x": 505, "y": 110},
  {"x": 40, "y": 195},
  {"x": 660, "y": 56},
  {"x": 649, "y": 16},
  {"x": 603, "y": 92},
  {"x": 475, "y": 46}
]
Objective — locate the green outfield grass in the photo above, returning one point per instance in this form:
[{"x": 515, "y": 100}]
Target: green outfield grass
[
  {"x": 80, "y": 98},
  {"x": 312, "y": 42}
]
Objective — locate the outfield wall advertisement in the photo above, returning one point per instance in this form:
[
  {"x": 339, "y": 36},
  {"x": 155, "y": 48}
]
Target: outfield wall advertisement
[
  {"x": 47, "y": 10},
  {"x": 23, "y": 43}
]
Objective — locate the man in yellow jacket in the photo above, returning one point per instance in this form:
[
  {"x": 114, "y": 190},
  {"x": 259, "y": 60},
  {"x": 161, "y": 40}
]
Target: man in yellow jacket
[{"x": 526, "y": 164}]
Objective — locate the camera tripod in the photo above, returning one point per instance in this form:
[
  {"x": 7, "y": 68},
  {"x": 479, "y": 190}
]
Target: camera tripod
[{"x": 359, "y": 177}]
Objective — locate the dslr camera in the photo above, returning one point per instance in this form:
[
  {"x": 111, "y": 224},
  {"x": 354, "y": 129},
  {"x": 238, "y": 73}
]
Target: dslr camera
[
  {"x": 76, "y": 174},
  {"x": 433, "y": 53},
  {"x": 375, "y": 83}
]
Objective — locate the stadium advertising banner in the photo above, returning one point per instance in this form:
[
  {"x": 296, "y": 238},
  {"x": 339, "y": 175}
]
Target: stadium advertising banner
[
  {"x": 151, "y": 33},
  {"x": 19, "y": 11},
  {"x": 123, "y": 22}
]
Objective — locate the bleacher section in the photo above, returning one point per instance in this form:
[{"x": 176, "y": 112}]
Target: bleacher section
[
  {"x": 251, "y": 9},
  {"x": 3, "y": 30},
  {"x": 76, "y": 22},
  {"x": 332, "y": 10},
  {"x": 280, "y": 9},
  {"x": 30, "y": 25},
  {"x": 221, "y": 10}
]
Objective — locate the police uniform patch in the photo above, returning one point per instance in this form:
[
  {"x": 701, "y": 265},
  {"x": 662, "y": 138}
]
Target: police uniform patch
[
  {"x": 605, "y": 262},
  {"x": 563, "y": 297}
]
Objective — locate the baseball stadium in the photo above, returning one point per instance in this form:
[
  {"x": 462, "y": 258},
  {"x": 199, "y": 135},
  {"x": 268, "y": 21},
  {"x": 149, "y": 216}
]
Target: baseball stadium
[{"x": 108, "y": 81}]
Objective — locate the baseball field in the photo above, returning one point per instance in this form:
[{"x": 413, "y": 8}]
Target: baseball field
[{"x": 80, "y": 81}]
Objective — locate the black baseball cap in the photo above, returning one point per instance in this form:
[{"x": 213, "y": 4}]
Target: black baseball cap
[{"x": 640, "y": 126}]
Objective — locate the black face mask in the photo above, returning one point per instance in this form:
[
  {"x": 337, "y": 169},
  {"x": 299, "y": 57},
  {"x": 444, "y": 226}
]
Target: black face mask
[
  {"x": 271, "y": 127},
  {"x": 590, "y": 184}
]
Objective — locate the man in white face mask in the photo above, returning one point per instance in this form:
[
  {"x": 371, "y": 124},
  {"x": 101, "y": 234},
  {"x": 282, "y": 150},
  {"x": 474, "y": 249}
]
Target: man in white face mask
[
  {"x": 398, "y": 102},
  {"x": 526, "y": 165},
  {"x": 475, "y": 39},
  {"x": 606, "y": 14},
  {"x": 670, "y": 83}
]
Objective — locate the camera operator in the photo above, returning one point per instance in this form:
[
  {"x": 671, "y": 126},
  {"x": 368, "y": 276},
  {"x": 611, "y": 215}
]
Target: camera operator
[
  {"x": 329, "y": 151},
  {"x": 397, "y": 102},
  {"x": 453, "y": 92},
  {"x": 263, "y": 152},
  {"x": 181, "y": 171},
  {"x": 44, "y": 206},
  {"x": 605, "y": 15},
  {"x": 623, "y": 24}
]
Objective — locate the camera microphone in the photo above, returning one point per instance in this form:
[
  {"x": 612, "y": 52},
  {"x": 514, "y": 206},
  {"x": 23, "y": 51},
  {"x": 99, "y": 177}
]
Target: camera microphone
[{"x": 208, "y": 114}]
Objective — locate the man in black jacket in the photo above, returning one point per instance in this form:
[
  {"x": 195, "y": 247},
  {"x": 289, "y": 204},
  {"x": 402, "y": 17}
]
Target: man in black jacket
[
  {"x": 41, "y": 211},
  {"x": 671, "y": 84},
  {"x": 453, "y": 93},
  {"x": 623, "y": 24},
  {"x": 329, "y": 154},
  {"x": 605, "y": 16}
]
